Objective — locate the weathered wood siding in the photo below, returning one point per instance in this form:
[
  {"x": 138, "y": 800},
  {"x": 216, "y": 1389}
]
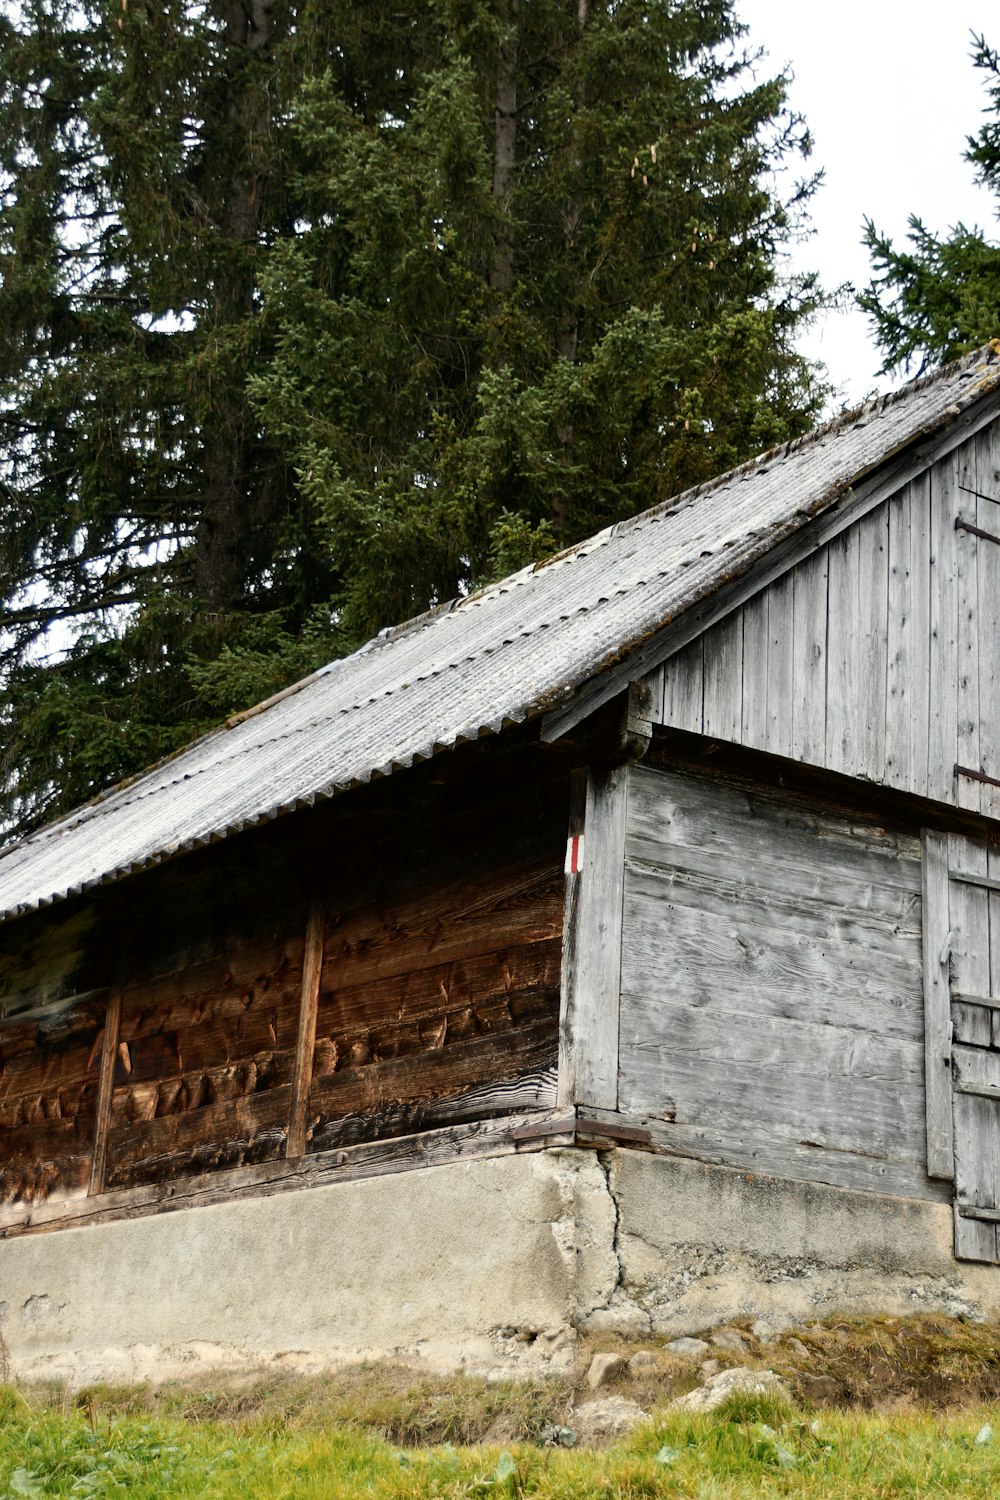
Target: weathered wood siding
[
  {"x": 877, "y": 656},
  {"x": 772, "y": 985},
  {"x": 437, "y": 999}
]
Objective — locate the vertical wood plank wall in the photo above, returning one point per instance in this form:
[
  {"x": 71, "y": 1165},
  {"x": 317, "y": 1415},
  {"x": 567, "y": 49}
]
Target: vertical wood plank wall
[
  {"x": 772, "y": 1012},
  {"x": 879, "y": 656}
]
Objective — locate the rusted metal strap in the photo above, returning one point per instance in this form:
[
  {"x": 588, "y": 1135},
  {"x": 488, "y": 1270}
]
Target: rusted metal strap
[
  {"x": 977, "y": 775},
  {"x": 987, "y": 536},
  {"x": 581, "y": 1126},
  {"x": 612, "y": 1132},
  {"x": 538, "y": 1130}
]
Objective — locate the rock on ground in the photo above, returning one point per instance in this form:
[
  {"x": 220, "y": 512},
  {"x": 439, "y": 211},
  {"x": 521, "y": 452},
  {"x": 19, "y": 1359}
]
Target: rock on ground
[
  {"x": 604, "y": 1367},
  {"x": 610, "y": 1417},
  {"x": 687, "y": 1348},
  {"x": 718, "y": 1388}
]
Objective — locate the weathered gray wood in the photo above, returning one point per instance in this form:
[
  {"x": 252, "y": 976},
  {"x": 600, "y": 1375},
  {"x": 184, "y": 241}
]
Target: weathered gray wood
[
  {"x": 723, "y": 676},
  {"x": 684, "y": 688},
  {"x": 986, "y": 1215},
  {"x": 749, "y": 956},
  {"x": 991, "y": 1002},
  {"x": 592, "y": 942},
  {"x": 674, "y": 810},
  {"x": 853, "y": 504},
  {"x": 810, "y": 602},
  {"x": 899, "y": 675},
  {"x": 937, "y": 1007},
  {"x": 993, "y": 909},
  {"x": 772, "y": 979},
  {"x": 312, "y": 972},
  {"x": 803, "y": 1160},
  {"x": 899, "y": 704},
  {"x": 755, "y": 641},
  {"x": 781, "y": 686},
  {"x": 846, "y": 664},
  {"x": 988, "y": 615},
  {"x": 943, "y": 702},
  {"x": 985, "y": 881},
  {"x": 970, "y": 944},
  {"x": 977, "y": 1150},
  {"x": 871, "y": 537},
  {"x": 845, "y": 1089},
  {"x": 654, "y": 684},
  {"x": 919, "y": 634},
  {"x": 967, "y": 546}
]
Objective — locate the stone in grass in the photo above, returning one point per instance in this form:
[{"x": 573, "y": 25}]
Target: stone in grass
[
  {"x": 604, "y": 1367},
  {"x": 730, "y": 1341},
  {"x": 687, "y": 1348},
  {"x": 643, "y": 1362},
  {"x": 719, "y": 1388},
  {"x": 610, "y": 1417}
]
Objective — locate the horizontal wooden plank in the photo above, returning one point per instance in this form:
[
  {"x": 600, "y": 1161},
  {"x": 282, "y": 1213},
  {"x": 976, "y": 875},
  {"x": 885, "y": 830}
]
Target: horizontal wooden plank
[
  {"x": 745, "y": 957},
  {"x": 839, "y": 1087},
  {"x": 380, "y": 1088},
  {"x": 703, "y": 814},
  {"x": 223, "y": 988},
  {"x": 746, "y": 1147},
  {"x": 159, "y": 1098},
  {"x": 969, "y": 877},
  {"x": 477, "y": 1141},
  {"x": 988, "y": 1002},
  {"x": 986, "y": 1215},
  {"x": 452, "y": 920},
  {"x": 864, "y": 908},
  {"x": 218, "y": 1135},
  {"x": 529, "y": 1091},
  {"x": 446, "y": 989},
  {"x": 259, "y": 1027}
]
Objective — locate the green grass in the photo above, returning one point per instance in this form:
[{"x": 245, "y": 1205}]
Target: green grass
[{"x": 110, "y": 1443}]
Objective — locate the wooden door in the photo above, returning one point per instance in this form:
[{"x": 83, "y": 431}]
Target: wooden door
[{"x": 962, "y": 943}]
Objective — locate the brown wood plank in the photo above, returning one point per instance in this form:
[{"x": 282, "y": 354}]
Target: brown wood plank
[
  {"x": 456, "y": 919},
  {"x": 476, "y": 1141},
  {"x": 312, "y": 969},
  {"x": 446, "y": 989},
  {"x": 245, "y": 977},
  {"x": 109, "y": 1053},
  {"x": 382, "y": 1086}
]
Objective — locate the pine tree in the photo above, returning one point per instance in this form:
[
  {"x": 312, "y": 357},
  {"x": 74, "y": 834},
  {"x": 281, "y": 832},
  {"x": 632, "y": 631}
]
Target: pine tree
[
  {"x": 312, "y": 314},
  {"x": 940, "y": 297}
]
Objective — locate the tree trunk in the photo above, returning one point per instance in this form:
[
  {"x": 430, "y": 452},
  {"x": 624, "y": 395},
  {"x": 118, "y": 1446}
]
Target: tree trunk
[
  {"x": 504, "y": 150},
  {"x": 224, "y": 538}
]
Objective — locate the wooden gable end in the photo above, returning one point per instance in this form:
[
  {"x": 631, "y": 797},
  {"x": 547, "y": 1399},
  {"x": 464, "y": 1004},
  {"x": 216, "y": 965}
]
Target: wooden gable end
[{"x": 877, "y": 655}]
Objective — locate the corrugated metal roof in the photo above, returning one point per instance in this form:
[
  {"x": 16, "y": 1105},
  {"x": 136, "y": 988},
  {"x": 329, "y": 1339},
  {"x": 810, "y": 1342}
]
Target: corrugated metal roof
[{"x": 504, "y": 654}]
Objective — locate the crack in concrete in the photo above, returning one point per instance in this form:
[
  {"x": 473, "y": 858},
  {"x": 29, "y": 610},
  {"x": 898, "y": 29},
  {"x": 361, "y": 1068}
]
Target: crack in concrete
[{"x": 604, "y": 1161}]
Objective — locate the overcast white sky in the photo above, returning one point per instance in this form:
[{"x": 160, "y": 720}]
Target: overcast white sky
[{"x": 890, "y": 94}]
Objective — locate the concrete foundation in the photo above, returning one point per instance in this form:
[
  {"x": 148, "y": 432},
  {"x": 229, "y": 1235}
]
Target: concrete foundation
[{"x": 484, "y": 1266}]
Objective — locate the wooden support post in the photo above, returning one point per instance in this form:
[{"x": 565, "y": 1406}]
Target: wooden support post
[
  {"x": 937, "y": 1007},
  {"x": 312, "y": 969},
  {"x": 106, "y": 1085},
  {"x": 592, "y": 940}
]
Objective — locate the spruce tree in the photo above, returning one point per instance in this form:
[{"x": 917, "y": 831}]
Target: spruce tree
[
  {"x": 313, "y": 314},
  {"x": 940, "y": 297}
]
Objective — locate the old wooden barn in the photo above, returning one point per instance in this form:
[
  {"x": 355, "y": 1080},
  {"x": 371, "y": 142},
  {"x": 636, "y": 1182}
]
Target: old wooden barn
[{"x": 616, "y": 947}]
